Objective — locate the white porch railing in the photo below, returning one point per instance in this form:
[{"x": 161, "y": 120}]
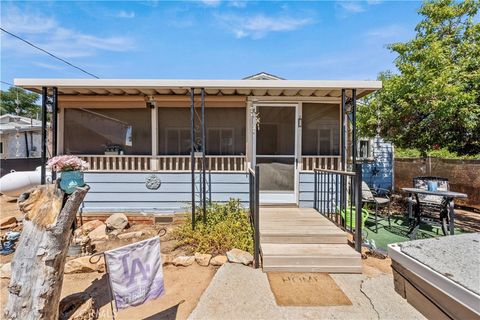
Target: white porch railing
[
  {"x": 162, "y": 163},
  {"x": 321, "y": 162}
]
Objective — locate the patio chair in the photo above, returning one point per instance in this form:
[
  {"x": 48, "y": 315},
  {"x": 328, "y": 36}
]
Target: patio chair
[
  {"x": 373, "y": 197},
  {"x": 430, "y": 205},
  {"x": 430, "y": 201}
]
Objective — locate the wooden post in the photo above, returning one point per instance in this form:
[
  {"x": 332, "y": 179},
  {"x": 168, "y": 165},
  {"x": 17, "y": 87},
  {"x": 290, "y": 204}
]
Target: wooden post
[{"x": 39, "y": 260}]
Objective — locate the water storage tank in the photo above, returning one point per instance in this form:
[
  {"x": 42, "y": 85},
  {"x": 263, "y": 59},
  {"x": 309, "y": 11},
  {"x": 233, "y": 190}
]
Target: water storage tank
[{"x": 15, "y": 183}]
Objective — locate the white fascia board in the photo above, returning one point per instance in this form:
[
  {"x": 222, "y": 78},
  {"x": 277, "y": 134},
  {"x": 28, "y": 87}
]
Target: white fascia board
[{"x": 208, "y": 84}]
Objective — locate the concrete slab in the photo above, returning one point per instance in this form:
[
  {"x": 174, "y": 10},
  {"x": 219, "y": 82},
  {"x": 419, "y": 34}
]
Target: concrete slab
[{"x": 240, "y": 292}]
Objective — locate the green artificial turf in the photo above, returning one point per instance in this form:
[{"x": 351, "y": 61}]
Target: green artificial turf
[{"x": 398, "y": 231}]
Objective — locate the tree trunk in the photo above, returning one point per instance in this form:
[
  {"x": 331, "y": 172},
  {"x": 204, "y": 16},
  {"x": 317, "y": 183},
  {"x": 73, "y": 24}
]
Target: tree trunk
[{"x": 39, "y": 260}]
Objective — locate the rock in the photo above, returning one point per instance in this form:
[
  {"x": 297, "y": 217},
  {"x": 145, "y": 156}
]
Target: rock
[
  {"x": 8, "y": 222},
  {"x": 6, "y": 271},
  {"x": 183, "y": 261},
  {"x": 203, "y": 259},
  {"x": 167, "y": 259},
  {"x": 83, "y": 265},
  {"x": 218, "y": 261},
  {"x": 99, "y": 233},
  {"x": 239, "y": 256},
  {"x": 116, "y": 222},
  {"x": 87, "y": 227},
  {"x": 87, "y": 311},
  {"x": 130, "y": 235},
  {"x": 78, "y": 306}
]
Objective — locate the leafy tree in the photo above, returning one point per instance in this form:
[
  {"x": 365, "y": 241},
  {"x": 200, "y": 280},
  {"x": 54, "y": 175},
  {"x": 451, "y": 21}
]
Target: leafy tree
[
  {"x": 434, "y": 100},
  {"x": 27, "y": 102}
]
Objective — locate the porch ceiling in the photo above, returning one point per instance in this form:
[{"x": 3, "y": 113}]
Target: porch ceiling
[{"x": 119, "y": 87}]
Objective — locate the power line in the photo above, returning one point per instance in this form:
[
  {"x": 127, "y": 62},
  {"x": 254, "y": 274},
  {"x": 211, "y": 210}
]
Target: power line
[
  {"x": 50, "y": 54},
  {"x": 7, "y": 83}
]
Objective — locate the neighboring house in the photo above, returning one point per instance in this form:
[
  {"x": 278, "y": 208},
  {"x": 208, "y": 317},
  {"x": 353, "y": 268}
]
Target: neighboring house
[
  {"x": 20, "y": 137},
  {"x": 377, "y": 157},
  {"x": 136, "y": 135}
]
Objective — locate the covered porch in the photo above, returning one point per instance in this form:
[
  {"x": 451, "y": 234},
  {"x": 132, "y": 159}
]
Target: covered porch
[{"x": 201, "y": 136}]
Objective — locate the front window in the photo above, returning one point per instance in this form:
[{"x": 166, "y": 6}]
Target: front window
[
  {"x": 108, "y": 131},
  {"x": 320, "y": 129},
  {"x": 224, "y": 128}
]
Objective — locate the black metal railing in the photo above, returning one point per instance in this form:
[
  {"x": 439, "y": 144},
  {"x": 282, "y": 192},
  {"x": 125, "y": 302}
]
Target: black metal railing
[
  {"x": 338, "y": 196},
  {"x": 254, "y": 206}
]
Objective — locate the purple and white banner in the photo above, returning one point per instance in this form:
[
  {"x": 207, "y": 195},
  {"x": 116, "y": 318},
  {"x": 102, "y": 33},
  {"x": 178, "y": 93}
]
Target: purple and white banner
[{"x": 135, "y": 273}]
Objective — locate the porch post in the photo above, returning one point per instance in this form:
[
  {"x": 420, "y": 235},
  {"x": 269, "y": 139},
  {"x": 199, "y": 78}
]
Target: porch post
[
  {"x": 343, "y": 135},
  {"x": 54, "y": 127},
  {"x": 192, "y": 151},
  {"x": 154, "y": 161},
  {"x": 44, "y": 136},
  {"x": 204, "y": 144},
  {"x": 354, "y": 126}
]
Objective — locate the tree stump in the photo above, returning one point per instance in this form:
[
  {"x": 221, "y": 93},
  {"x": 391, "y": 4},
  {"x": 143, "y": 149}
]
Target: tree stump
[{"x": 39, "y": 260}]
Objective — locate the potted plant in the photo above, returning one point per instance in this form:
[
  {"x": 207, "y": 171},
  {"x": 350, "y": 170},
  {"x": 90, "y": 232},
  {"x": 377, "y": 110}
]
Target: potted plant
[{"x": 71, "y": 169}]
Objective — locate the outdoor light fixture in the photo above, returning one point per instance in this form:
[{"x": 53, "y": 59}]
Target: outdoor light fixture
[{"x": 150, "y": 102}]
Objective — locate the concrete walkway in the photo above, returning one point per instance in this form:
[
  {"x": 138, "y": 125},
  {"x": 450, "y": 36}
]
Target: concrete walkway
[{"x": 240, "y": 292}]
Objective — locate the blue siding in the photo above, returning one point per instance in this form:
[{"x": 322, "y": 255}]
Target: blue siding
[
  {"x": 125, "y": 191},
  {"x": 379, "y": 173}
]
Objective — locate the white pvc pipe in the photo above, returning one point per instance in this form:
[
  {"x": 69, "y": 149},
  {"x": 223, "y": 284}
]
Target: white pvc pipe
[{"x": 15, "y": 183}]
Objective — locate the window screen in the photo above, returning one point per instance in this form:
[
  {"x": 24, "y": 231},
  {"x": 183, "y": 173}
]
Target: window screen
[
  {"x": 320, "y": 129},
  {"x": 97, "y": 131},
  {"x": 224, "y": 128}
]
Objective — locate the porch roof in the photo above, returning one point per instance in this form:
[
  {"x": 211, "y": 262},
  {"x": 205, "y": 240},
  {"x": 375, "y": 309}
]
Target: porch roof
[{"x": 119, "y": 87}]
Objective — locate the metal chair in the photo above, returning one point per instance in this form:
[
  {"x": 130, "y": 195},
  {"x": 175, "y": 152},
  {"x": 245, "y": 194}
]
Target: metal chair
[
  {"x": 430, "y": 201},
  {"x": 374, "y": 197},
  {"x": 430, "y": 205}
]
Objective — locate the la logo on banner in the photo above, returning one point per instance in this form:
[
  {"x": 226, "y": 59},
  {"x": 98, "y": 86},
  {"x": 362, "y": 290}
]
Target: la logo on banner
[{"x": 135, "y": 273}]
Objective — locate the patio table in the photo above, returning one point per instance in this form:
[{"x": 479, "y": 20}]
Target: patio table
[{"x": 447, "y": 205}]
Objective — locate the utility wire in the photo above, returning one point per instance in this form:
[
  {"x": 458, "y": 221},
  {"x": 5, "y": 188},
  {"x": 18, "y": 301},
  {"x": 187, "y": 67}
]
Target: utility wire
[
  {"x": 14, "y": 86},
  {"x": 7, "y": 83},
  {"x": 50, "y": 54}
]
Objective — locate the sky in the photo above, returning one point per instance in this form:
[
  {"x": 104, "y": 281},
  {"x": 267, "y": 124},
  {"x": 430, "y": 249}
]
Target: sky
[{"x": 209, "y": 39}]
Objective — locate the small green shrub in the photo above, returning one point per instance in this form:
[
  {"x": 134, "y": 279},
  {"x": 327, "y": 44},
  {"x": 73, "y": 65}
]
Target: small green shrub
[{"x": 228, "y": 226}]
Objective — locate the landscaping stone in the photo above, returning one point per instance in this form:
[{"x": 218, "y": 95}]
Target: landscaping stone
[
  {"x": 183, "y": 261},
  {"x": 8, "y": 222},
  {"x": 78, "y": 306},
  {"x": 203, "y": 259},
  {"x": 239, "y": 256},
  {"x": 6, "y": 271},
  {"x": 130, "y": 235},
  {"x": 83, "y": 265},
  {"x": 218, "y": 261},
  {"x": 87, "y": 311},
  {"x": 116, "y": 222},
  {"x": 167, "y": 259},
  {"x": 99, "y": 233},
  {"x": 87, "y": 227}
]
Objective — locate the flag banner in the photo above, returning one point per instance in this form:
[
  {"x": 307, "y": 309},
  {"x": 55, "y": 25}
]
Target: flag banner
[{"x": 135, "y": 273}]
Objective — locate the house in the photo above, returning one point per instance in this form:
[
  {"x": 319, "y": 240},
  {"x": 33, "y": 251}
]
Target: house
[
  {"x": 20, "y": 139},
  {"x": 376, "y": 154},
  {"x": 137, "y": 134}
]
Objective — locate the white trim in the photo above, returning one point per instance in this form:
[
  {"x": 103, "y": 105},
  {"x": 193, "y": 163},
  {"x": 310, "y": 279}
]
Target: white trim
[{"x": 207, "y": 84}]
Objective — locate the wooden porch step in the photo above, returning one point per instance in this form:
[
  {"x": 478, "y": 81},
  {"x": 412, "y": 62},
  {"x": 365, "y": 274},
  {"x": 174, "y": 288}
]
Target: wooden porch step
[
  {"x": 331, "y": 258},
  {"x": 303, "y": 235}
]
